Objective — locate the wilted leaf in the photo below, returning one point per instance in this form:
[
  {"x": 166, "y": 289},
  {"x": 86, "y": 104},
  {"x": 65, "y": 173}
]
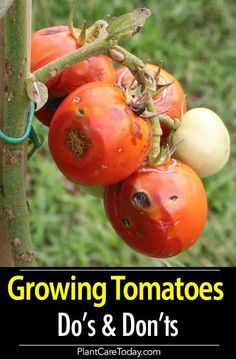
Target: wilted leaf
[
  {"x": 129, "y": 24},
  {"x": 38, "y": 93}
]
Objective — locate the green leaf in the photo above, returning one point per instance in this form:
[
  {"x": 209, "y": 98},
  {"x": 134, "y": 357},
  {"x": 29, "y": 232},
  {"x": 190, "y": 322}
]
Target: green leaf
[
  {"x": 37, "y": 92},
  {"x": 127, "y": 25},
  {"x": 4, "y": 6}
]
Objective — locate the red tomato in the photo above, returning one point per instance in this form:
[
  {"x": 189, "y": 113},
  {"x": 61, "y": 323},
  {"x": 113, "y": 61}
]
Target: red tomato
[
  {"x": 159, "y": 211},
  {"x": 53, "y": 42},
  {"x": 94, "y": 137},
  {"x": 170, "y": 99}
]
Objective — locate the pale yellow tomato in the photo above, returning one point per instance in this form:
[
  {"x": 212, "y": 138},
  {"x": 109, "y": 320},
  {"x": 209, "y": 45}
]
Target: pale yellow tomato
[{"x": 206, "y": 141}]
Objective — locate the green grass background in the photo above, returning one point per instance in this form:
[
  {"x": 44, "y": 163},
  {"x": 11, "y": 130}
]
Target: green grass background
[{"x": 196, "y": 42}]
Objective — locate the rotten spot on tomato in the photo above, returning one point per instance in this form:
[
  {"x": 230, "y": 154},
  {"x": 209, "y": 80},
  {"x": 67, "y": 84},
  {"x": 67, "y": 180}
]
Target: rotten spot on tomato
[
  {"x": 77, "y": 142},
  {"x": 173, "y": 198},
  {"x": 141, "y": 200},
  {"x": 135, "y": 131},
  {"x": 104, "y": 165},
  {"x": 116, "y": 114},
  {"x": 76, "y": 99},
  {"x": 126, "y": 221},
  {"x": 80, "y": 112}
]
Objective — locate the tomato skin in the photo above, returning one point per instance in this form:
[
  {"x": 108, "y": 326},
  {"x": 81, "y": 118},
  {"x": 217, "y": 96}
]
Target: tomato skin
[
  {"x": 45, "y": 115},
  {"x": 206, "y": 141},
  {"x": 159, "y": 211},
  {"x": 53, "y": 42},
  {"x": 95, "y": 139},
  {"x": 169, "y": 101}
]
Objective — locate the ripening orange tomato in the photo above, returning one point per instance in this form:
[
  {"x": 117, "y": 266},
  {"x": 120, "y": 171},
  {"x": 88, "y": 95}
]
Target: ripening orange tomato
[
  {"x": 159, "y": 211},
  {"x": 95, "y": 139}
]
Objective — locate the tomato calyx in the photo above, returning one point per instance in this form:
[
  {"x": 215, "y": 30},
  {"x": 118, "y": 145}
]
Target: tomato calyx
[
  {"x": 138, "y": 96},
  {"x": 135, "y": 89},
  {"x": 138, "y": 104},
  {"x": 79, "y": 37},
  {"x": 86, "y": 35},
  {"x": 163, "y": 157}
]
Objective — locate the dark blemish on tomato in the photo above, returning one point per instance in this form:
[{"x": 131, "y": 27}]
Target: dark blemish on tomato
[
  {"x": 77, "y": 142},
  {"x": 115, "y": 114},
  {"x": 135, "y": 131},
  {"x": 104, "y": 165},
  {"x": 126, "y": 221},
  {"x": 54, "y": 103},
  {"x": 52, "y": 31},
  {"x": 141, "y": 200},
  {"x": 76, "y": 99},
  {"x": 173, "y": 198},
  {"x": 82, "y": 135},
  {"x": 80, "y": 112}
]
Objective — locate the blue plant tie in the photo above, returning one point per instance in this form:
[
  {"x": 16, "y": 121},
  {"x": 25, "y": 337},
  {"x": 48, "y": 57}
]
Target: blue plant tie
[{"x": 18, "y": 140}]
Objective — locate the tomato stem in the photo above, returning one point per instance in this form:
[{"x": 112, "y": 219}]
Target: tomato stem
[
  {"x": 148, "y": 84},
  {"x": 167, "y": 120},
  {"x": 156, "y": 135},
  {"x": 55, "y": 67}
]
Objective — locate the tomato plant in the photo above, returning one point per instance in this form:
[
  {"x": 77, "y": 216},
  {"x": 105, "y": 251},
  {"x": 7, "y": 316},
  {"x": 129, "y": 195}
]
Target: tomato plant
[
  {"x": 94, "y": 137},
  {"x": 159, "y": 211},
  {"x": 169, "y": 101},
  {"x": 206, "y": 141},
  {"x": 53, "y": 42},
  {"x": 104, "y": 131}
]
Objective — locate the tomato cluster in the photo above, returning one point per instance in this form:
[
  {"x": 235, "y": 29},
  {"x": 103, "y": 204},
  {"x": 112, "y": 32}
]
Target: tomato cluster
[{"x": 100, "y": 142}]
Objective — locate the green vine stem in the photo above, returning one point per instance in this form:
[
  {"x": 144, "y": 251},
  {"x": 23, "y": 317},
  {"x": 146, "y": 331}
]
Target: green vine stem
[
  {"x": 168, "y": 121},
  {"x": 139, "y": 70},
  {"x": 55, "y": 67},
  {"x": 156, "y": 135},
  {"x": 16, "y": 64}
]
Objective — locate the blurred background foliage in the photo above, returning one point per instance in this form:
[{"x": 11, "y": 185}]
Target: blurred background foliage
[{"x": 196, "y": 42}]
